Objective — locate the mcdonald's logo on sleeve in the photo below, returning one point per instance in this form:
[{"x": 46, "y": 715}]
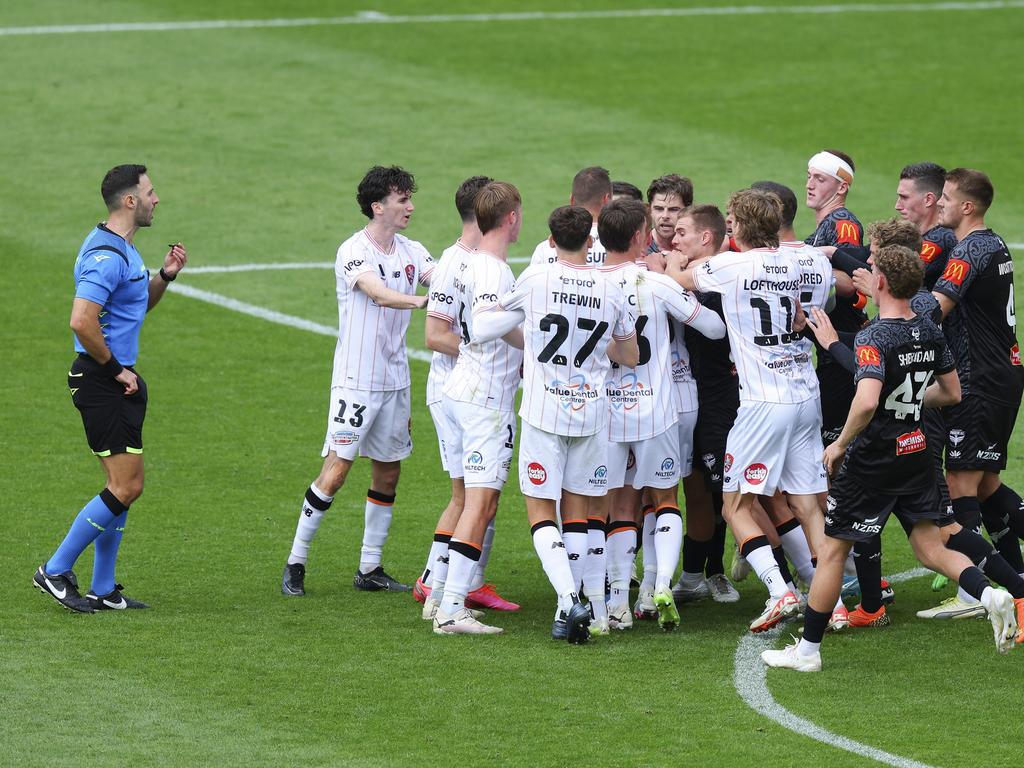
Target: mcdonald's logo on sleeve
[
  {"x": 847, "y": 232},
  {"x": 957, "y": 271},
  {"x": 929, "y": 251},
  {"x": 868, "y": 355}
]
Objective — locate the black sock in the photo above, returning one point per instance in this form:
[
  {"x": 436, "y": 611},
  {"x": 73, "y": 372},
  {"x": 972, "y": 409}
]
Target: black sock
[
  {"x": 967, "y": 511},
  {"x": 716, "y": 547},
  {"x": 867, "y": 557},
  {"x": 814, "y": 624},
  {"x": 973, "y": 581},
  {"x": 780, "y": 558},
  {"x": 988, "y": 559},
  {"x": 694, "y": 555},
  {"x": 996, "y": 512}
]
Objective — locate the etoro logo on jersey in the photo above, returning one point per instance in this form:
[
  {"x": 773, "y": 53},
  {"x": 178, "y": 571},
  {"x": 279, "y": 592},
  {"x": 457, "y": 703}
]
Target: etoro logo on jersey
[
  {"x": 574, "y": 393},
  {"x": 536, "y": 473},
  {"x": 755, "y": 474}
]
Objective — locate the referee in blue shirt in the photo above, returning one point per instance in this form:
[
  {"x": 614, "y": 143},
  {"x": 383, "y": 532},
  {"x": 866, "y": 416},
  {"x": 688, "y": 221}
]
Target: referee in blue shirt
[{"x": 113, "y": 293}]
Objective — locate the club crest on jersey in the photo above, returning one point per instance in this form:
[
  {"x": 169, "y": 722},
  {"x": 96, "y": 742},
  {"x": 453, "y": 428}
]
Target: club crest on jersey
[
  {"x": 956, "y": 436},
  {"x": 1015, "y": 355},
  {"x": 709, "y": 460},
  {"x": 956, "y": 271},
  {"x": 868, "y": 355},
  {"x": 727, "y": 466},
  {"x": 911, "y": 442},
  {"x": 410, "y": 273},
  {"x": 536, "y": 473},
  {"x": 929, "y": 251},
  {"x": 755, "y": 474}
]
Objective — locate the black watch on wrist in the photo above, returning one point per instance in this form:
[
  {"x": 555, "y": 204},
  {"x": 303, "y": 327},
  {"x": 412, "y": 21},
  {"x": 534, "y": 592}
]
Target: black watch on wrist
[{"x": 167, "y": 278}]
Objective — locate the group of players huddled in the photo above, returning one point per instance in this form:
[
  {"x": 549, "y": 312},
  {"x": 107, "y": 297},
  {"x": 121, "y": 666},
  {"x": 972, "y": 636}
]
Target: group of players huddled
[{"x": 661, "y": 341}]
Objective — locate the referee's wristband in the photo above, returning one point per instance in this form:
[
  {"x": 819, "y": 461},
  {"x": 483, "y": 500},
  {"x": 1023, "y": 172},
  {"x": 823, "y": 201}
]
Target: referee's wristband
[
  {"x": 167, "y": 278},
  {"x": 112, "y": 368}
]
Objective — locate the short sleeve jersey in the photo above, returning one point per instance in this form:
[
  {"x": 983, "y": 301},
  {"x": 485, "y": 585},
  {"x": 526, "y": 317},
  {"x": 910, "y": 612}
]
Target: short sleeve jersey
[
  {"x": 891, "y": 455},
  {"x": 109, "y": 271},
  {"x": 840, "y": 227},
  {"x": 643, "y": 401},
  {"x": 982, "y": 328},
  {"x": 545, "y": 254},
  {"x": 760, "y": 290},
  {"x": 441, "y": 305},
  {"x": 572, "y": 312},
  {"x": 370, "y": 354},
  {"x": 936, "y": 245},
  {"x": 486, "y": 373}
]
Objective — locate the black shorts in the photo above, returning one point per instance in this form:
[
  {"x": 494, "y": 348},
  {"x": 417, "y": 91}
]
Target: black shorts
[
  {"x": 837, "y": 388},
  {"x": 934, "y": 426},
  {"x": 854, "y": 512},
  {"x": 112, "y": 420},
  {"x": 978, "y": 433},
  {"x": 714, "y": 420}
]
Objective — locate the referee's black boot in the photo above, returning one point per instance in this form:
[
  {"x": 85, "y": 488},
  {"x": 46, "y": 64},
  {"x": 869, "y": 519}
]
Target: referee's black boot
[
  {"x": 113, "y": 601},
  {"x": 62, "y": 587}
]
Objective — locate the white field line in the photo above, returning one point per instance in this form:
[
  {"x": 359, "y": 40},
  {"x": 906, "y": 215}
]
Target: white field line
[
  {"x": 271, "y": 315},
  {"x": 750, "y": 679},
  {"x": 375, "y": 17},
  {"x": 212, "y": 269}
]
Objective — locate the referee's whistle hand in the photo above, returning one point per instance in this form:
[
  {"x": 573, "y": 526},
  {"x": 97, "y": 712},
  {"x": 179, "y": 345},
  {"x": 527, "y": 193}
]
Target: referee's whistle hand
[
  {"x": 175, "y": 259},
  {"x": 130, "y": 381}
]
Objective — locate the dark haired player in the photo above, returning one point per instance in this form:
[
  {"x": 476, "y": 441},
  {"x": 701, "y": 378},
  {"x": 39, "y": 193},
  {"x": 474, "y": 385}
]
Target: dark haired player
[
  {"x": 591, "y": 190},
  {"x": 887, "y": 468},
  {"x": 917, "y": 200},
  {"x": 667, "y": 196},
  {"x": 624, "y": 189},
  {"x": 377, "y": 271},
  {"x": 112, "y": 283}
]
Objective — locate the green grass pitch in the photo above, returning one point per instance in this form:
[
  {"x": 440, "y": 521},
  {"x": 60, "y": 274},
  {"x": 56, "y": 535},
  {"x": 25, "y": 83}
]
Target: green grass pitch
[{"x": 255, "y": 139}]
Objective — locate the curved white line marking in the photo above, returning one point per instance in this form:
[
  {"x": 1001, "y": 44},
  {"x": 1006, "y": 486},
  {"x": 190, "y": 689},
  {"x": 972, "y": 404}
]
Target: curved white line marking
[
  {"x": 375, "y": 17},
  {"x": 750, "y": 679}
]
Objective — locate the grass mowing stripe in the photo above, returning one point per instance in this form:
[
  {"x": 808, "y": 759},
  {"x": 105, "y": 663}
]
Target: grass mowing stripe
[
  {"x": 751, "y": 681},
  {"x": 375, "y": 17}
]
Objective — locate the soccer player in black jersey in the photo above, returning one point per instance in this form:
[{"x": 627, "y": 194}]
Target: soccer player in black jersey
[
  {"x": 976, "y": 294},
  {"x": 885, "y": 466},
  {"x": 829, "y": 176},
  {"x": 917, "y": 200}
]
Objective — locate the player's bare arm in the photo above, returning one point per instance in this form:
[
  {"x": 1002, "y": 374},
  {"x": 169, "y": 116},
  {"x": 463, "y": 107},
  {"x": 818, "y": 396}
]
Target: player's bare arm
[
  {"x": 865, "y": 402},
  {"x": 439, "y": 337},
  {"x": 945, "y": 302},
  {"x": 85, "y": 322},
  {"x": 945, "y": 390},
  {"x": 374, "y": 287},
  {"x": 174, "y": 262},
  {"x": 625, "y": 351}
]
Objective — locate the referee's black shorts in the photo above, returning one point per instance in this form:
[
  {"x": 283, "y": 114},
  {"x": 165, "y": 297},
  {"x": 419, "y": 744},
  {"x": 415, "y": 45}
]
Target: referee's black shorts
[{"x": 112, "y": 420}]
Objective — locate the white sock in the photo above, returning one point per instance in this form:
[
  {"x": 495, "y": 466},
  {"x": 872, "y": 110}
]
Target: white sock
[
  {"x": 763, "y": 562},
  {"x": 551, "y": 551},
  {"x": 986, "y": 598},
  {"x": 574, "y": 536},
  {"x": 377, "y": 521},
  {"x": 849, "y": 567},
  {"x": 621, "y": 548},
  {"x": 437, "y": 566},
  {"x": 668, "y": 541},
  {"x": 594, "y": 570},
  {"x": 462, "y": 559},
  {"x": 485, "y": 555},
  {"x": 806, "y": 648},
  {"x": 794, "y": 543},
  {"x": 314, "y": 505},
  {"x": 964, "y": 597},
  {"x": 649, "y": 553}
]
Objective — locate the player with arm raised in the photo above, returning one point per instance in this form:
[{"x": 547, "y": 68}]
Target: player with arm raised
[
  {"x": 775, "y": 441},
  {"x": 887, "y": 468},
  {"x": 591, "y": 189},
  {"x": 479, "y": 402},
  {"x": 377, "y": 271},
  {"x": 575, "y": 323}
]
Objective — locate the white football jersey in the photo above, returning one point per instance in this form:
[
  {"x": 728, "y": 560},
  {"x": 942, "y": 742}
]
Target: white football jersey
[
  {"x": 816, "y": 284},
  {"x": 370, "y": 354},
  {"x": 486, "y": 373},
  {"x": 571, "y": 313},
  {"x": 642, "y": 401},
  {"x": 544, "y": 253},
  {"x": 441, "y": 304},
  {"x": 760, "y": 289}
]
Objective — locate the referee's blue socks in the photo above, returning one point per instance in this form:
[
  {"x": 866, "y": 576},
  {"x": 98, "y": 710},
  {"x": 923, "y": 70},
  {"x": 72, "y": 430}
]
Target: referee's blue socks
[
  {"x": 107, "y": 544},
  {"x": 94, "y": 519}
]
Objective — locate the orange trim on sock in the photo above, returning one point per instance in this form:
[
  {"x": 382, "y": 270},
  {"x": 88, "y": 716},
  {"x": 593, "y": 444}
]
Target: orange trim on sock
[
  {"x": 477, "y": 547},
  {"x": 597, "y": 519},
  {"x": 439, "y": 532},
  {"x": 567, "y": 522},
  {"x": 646, "y": 509},
  {"x": 620, "y": 529},
  {"x": 668, "y": 506},
  {"x": 749, "y": 538},
  {"x": 380, "y": 503}
]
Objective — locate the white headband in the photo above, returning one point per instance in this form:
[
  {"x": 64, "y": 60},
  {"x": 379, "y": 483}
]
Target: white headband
[{"x": 833, "y": 165}]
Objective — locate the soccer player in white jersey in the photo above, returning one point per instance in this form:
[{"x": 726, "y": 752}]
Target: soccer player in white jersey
[
  {"x": 576, "y": 322},
  {"x": 479, "y": 403},
  {"x": 443, "y": 334},
  {"x": 775, "y": 442},
  {"x": 377, "y": 272},
  {"x": 643, "y": 407},
  {"x": 591, "y": 189}
]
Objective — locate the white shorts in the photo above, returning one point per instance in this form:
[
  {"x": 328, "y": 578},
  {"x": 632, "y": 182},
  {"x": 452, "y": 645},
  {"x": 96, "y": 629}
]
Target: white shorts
[
  {"x": 685, "y": 426},
  {"x": 775, "y": 446},
  {"x": 444, "y": 428},
  {"x": 371, "y": 424},
  {"x": 650, "y": 463},
  {"x": 550, "y": 463},
  {"x": 480, "y": 443}
]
